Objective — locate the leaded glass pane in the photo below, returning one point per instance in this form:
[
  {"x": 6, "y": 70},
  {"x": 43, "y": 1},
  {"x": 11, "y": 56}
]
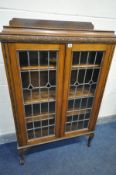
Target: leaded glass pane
[
  {"x": 38, "y": 75},
  {"x": 83, "y": 80}
]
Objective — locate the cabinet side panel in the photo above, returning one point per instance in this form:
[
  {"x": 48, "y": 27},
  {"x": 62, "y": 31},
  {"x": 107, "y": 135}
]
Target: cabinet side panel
[
  {"x": 101, "y": 85},
  {"x": 15, "y": 93},
  {"x": 7, "y": 64}
]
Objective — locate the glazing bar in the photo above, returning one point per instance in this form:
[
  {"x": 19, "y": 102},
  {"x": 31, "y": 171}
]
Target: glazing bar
[{"x": 30, "y": 90}]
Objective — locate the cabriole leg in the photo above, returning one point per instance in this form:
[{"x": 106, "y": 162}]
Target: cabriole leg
[
  {"x": 21, "y": 156},
  {"x": 91, "y": 136}
]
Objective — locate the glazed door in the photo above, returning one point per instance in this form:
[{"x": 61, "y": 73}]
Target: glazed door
[
  {"x": 85, "y": 73},
  {"x": 38, "y": 75}
]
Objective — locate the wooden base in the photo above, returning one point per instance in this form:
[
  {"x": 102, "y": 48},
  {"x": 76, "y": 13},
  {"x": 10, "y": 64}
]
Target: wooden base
[{"x": 23, "y": 149}]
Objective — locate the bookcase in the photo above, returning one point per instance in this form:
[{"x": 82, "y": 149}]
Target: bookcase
[{"x": 56, "y": 72}]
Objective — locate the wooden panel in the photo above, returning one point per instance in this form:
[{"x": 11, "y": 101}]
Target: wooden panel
[
  {"x": 14, "y": 68},
  {"x": 28, "y": 46},
  {"x": 61, "y": 33},
  {"x": 40, "y": 140},
  {"x": 7, "y": 61},
  {"x": 49, "y": 24},
  {"x": 74, "y": 133},
  {"x": 89, "y": 47},
  {"x": 52, "y": 138}
]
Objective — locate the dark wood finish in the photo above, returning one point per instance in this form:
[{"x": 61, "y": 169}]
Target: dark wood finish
[
  {"x": 23, "y": 34},
  {"x": 21, "y": 155},
  {"x": 24, "y": 30},
  {"x": 49, "y": 24},
  {"x": 91, "y": 136},
  {"x": 53, "y": 39}
]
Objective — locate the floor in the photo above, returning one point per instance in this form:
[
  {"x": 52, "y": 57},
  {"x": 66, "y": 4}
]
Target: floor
[{"x": 69, "y": 157}]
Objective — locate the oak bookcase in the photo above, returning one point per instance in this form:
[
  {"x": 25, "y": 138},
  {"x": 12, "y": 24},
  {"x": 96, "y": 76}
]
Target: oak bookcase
[{"x": 56, "y": 73}]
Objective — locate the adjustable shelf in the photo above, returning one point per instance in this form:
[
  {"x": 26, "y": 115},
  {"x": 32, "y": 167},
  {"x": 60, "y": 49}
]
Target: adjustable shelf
[
  {"x": 38, "y": 132},
  {"x": 80, "y": 92},
  {"x": 78, "y": 111},
  {"x": 37, "y": 97},
  {"x": 85, "y": 66},
  {"x": 27, "y": 68},
  {"x": 43, "y": 116}
]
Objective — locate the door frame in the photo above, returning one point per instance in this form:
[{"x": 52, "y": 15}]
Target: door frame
[
  {"x": 16, "y": 80},
  {"x": 108, "y": 48}
]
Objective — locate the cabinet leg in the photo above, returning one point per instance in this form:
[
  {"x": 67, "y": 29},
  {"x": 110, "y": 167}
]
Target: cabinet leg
[
  {"x": 21, "y": 156},
  {"x": 91, "y": 136}
]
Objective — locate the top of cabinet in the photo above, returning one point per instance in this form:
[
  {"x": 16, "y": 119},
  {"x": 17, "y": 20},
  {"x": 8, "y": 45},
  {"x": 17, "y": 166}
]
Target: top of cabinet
[
  {"x": 50, "y": 24},
  {"x": 49, "y": 31}
]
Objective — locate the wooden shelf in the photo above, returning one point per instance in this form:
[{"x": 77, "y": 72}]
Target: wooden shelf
[
  {"x": 37, "y": 98},
  {"x": 38, "y": 133},
  {"x": 26, "y": 68},
  {"x": 52, "y": 67},
  {"x": 85, "y": 66},
  {"x": 79, "y": 93},
  {"x": 81, "y": 111},
  {"x": 43, "y": 116}
]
